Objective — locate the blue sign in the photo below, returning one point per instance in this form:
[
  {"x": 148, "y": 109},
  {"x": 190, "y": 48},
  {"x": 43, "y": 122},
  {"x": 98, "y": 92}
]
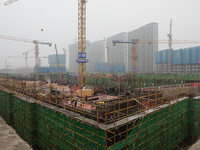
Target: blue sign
[
  {"x": 134, "y": 68},
  {"x": 75, "y": 75},
  {"x": 82, "y": 60},
  {"x": 81, "y": 55}
]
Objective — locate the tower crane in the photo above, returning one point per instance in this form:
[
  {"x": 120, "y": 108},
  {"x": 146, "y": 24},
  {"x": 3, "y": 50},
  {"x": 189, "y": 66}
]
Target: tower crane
[
  {"x": 36, "y": 42},
  {"x": 134, "y": 52},
  {"x": 139, "y": 41},
  {"x": 26, "y": 58},
  {"x": 81, "y": 41},
  {"x": 26, "y": 54},
  {"x": 9, "y": 2},
  {"x": 65, "y": 50}
]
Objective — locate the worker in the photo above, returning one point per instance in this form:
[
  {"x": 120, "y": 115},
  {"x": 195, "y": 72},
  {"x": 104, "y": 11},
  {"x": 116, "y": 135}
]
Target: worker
[
  {"x": 72, "y": 100},
  {"x": 127, "y": 94},
  {"x": 75, "y": 103}
]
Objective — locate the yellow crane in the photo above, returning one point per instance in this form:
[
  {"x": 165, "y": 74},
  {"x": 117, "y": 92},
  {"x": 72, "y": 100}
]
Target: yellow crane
[
  {"x": 81, "y": 40},
  {"x": 36, "y": 42}
]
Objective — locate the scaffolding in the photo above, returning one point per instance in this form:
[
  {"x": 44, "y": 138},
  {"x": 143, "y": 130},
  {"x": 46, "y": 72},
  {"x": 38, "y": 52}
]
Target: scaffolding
[{"x": 52, "y": 116}]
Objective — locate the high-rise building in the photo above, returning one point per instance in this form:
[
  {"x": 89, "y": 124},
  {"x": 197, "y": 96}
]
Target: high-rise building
[
  {"x": 103, "y": 55},
  {"x": 73, "y": 55},
  {"x": 184, "y": 61},
  {"x": 53, "y": 62},
  {"x": 145, "y": 60},
  {"x": 117, "y": 55},
  {"x": 97, "y": 57}
]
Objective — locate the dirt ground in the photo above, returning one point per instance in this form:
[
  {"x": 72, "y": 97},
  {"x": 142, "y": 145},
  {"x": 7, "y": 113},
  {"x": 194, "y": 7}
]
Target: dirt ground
[
  {"x": 195, "y": 146},
  {"x": 9, "y": 139}
]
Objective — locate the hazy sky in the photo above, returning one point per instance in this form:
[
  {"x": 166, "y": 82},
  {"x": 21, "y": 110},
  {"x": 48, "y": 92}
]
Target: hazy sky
[{"x": 105, "y": 18}]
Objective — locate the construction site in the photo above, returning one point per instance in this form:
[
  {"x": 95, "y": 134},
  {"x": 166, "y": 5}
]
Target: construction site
[
  {"x": 163, "y": 114},
  {"x": 102, "y": 111}
]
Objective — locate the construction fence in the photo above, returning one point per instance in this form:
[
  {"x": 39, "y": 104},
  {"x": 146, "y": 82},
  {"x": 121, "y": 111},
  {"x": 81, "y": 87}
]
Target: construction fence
[{"x": 123, "y": 80}]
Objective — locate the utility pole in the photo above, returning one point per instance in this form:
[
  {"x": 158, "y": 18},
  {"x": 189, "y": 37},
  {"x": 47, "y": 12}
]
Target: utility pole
[{"x": 6, "y": 68}]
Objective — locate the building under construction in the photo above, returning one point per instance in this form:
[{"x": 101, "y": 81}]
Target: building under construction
[
  {"x": 184, "y": 61},
  {"x": 113, "y": 112}
]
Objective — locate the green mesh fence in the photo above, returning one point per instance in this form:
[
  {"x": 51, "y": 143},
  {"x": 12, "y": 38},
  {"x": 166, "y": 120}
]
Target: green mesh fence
[
  {"x": 194, "y": 117},
  {"x": 61, "y": 131},
  {"x": 163, "y": 129},
  {"x": 6, "y": 106},
  {"x": 25, "y": 120}
]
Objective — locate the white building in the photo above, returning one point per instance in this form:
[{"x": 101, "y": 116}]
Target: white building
[
  {"x": 73, "y": 55},
  {"x": 119, "y": 57},
  {"x": 145, "y": 61},
  {"x": 97, "y": 55}
]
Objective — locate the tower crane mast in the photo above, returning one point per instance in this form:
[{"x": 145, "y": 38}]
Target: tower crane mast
[
  {"x": 170, "y": 47},
  {"x": 82, "y": 42}
]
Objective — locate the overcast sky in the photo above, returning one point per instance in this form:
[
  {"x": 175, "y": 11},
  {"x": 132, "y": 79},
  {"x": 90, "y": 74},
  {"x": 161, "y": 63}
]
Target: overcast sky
[{"x": 105, "y": 18}]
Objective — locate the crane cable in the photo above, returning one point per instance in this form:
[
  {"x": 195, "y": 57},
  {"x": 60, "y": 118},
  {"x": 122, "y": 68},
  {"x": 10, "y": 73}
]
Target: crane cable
[{"x": 42, "y": 8}]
